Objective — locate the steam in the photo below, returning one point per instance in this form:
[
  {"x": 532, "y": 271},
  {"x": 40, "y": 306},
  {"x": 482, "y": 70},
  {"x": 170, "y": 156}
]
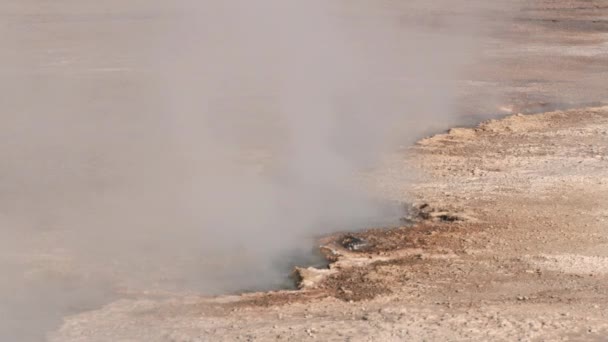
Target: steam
[
  {"x": 275, "y": 106},
  {"x": 199, "y": 145}
]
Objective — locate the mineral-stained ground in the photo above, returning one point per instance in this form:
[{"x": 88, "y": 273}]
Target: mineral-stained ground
[
  {"x": 507, "y": 241},
  {"x": 507, "y": 233}
]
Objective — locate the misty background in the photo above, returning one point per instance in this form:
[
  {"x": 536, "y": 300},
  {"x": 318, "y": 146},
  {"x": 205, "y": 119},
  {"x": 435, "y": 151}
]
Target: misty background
[{"x": 203, "y": 145}]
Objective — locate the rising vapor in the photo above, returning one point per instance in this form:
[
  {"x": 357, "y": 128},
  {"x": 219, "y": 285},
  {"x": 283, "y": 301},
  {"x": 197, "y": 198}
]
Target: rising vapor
[{"x": 203, "y": 145}]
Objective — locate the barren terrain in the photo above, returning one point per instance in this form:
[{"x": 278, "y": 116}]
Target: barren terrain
[
  {"x": 509, "y": 242},
  {"x": 506, "y": 236}
]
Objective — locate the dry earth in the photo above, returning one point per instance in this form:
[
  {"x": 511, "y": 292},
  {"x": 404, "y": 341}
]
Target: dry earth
[
  {"x": 509, "y": 240},
  {"x": 509, "y": 243}
]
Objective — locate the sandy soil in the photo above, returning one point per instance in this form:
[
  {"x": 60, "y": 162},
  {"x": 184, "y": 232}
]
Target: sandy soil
[{"x": 509, "y": 242}]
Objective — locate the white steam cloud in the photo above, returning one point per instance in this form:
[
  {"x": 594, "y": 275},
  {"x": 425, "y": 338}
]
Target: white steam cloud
[{"x": 200, "y": 145}]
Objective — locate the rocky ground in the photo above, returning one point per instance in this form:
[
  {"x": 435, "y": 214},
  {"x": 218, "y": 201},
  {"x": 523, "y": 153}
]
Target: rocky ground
[{"x": 508, "y": 242}]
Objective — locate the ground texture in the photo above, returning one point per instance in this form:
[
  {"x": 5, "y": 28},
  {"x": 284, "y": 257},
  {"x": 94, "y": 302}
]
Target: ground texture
[
  {"x": 507, "y": 236},
  {"x": 508, "y": 240}
]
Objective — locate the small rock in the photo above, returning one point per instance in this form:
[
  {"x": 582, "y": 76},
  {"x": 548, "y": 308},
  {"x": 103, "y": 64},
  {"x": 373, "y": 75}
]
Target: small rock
[{"x": 353, "y": 243}]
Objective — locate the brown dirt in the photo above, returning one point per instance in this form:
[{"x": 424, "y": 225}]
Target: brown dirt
[
  {"x": 527, "y": 261},
  {"x": 512, "y": 246}
]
